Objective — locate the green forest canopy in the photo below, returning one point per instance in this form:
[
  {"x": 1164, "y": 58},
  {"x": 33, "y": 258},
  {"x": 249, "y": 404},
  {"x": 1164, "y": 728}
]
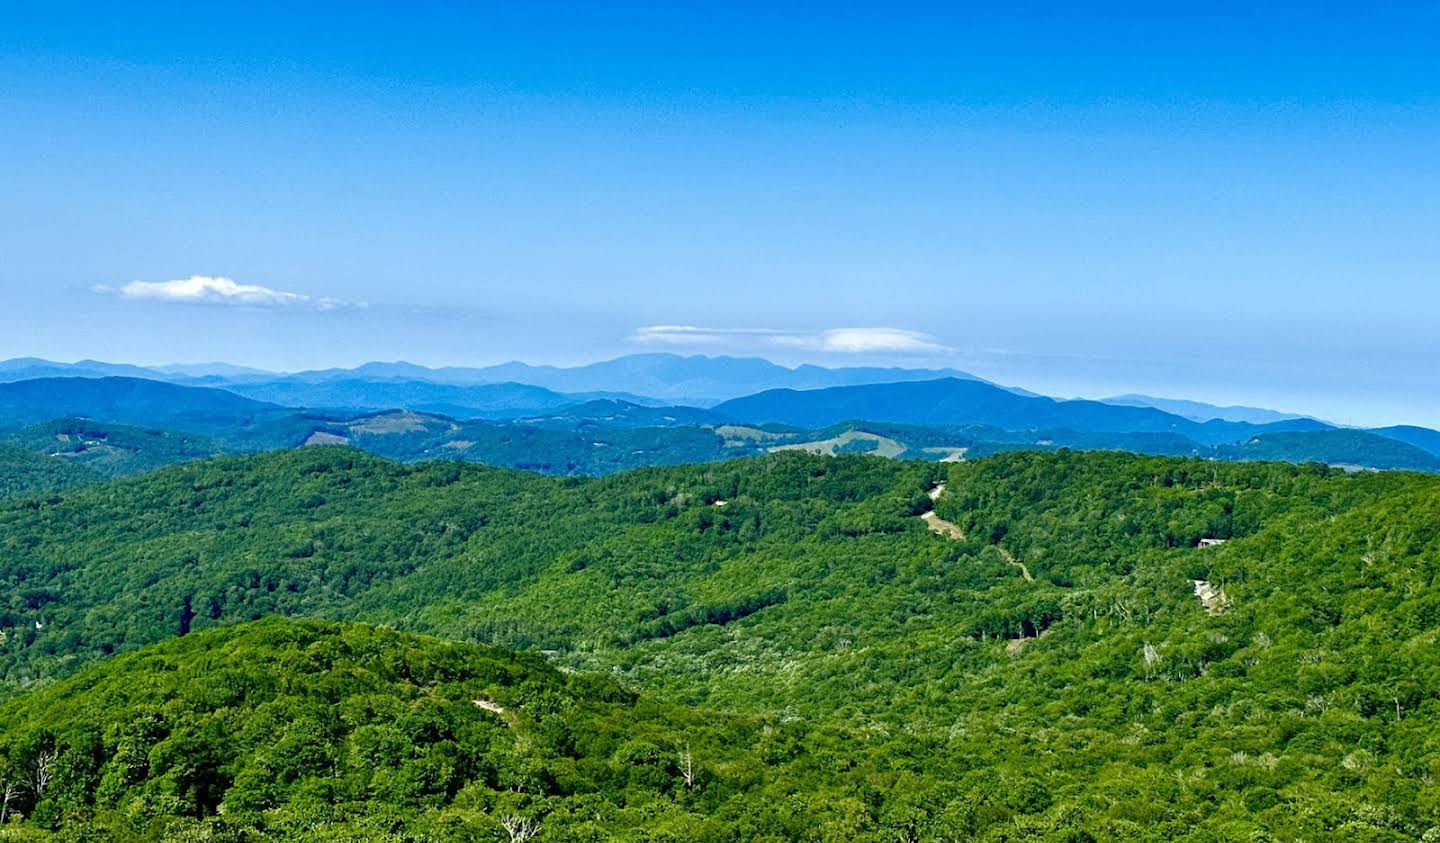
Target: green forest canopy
[{"x": 893, "y": 682}]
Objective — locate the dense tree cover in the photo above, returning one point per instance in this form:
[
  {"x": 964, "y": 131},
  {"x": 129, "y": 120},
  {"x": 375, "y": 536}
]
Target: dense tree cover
[
  {"x": 1051, "y": 676},
  {"x": 1338, "y": 447},
  {"x": 23, "y": 472},
  {"x": 1420, "y": 437},
  {"x": 607, "y": 436},
  {"x": 1349, "y": 448},
  {"x": 111, "y": 450},
  {"x": 559, "y": 445},
  {"x": 291, "y": 730}
]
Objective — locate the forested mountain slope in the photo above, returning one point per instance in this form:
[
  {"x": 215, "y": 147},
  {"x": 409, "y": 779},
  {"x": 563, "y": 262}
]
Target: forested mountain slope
[
  {"x": 25, "y": 472},
  {"x": 127, "y": 401},
  {"x": 284, "y": 730},
  {"x": 951, "y": 401},
  {"x": 110, "y": 450},
  {"x": 1420, "y": 437},
  {"x": 1050, "y": 675},
  {"x": 164, "y": 423},
  {"x": 1353, "y": 448},
  {"x": 491, "y": 400}
]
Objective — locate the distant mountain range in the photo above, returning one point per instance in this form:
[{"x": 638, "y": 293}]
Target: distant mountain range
[
  {"x": 126, "y": 400},
  {"x": 1421, "y": 437},
  {"x": 644, "y": 379},
  {"x": 699, "y": 380},
  {"x": 30, "y": 368},
  {"x": 1198, "y": 411},
  {"x": 487, "y": 400},
  {"x": 232, "y": 422},
  {"x": 950, "y": 401},
  {"x": 227, "y": 409},
  {"x": 639, "y": 378}
]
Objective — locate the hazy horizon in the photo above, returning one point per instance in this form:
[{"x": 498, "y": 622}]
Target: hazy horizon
[{"x": 1221, "y": 401}]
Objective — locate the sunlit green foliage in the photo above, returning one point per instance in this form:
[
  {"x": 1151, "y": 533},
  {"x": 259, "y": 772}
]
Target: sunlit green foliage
[
  {"x": 24, "y": 472},
  {"x": 873, "y": 680}
]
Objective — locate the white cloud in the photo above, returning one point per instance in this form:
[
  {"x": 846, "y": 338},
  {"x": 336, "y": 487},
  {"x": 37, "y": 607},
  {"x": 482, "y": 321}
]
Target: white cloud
[
  {"x": 676, "y": 335},
  {"x": 204, "y": 289},
  {"x": 863, "y": 341},
  {"x": 692, "y": 335},
  {"x": 834, "y": 340}
]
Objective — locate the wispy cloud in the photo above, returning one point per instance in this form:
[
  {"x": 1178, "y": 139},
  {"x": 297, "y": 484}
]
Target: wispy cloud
[
  {"x": 834, "y": 340},
  {"x": 226, "y": 292},
  {"x": 863, "y": 341}
]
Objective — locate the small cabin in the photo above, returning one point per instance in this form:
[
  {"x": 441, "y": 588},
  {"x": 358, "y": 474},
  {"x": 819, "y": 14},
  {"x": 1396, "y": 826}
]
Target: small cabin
[{"x": 1212, "y": 542}]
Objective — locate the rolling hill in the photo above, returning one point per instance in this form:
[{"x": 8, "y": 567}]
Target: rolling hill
[
  {"x": 286, "y": 730},
  {"x": 560, "y": 446},
  {"x": 1049, "y": 667},
  {"x": 493, "y": 401},
  {"x": 132, "y": 401},
  {"x": 610, "y": 412},
  {"x": 951, "y": 402},
  {"x": 1353, "y": 448},
  {"x": 110, "y": 450},
  {"x": 1420, "y": 437},
  {"x": 163, "y": 423},
  {"x": 25, "y": 472}
]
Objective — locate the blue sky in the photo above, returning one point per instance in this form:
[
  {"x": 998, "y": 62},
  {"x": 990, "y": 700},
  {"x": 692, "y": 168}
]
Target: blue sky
[{"x": 1237, "y": 203}]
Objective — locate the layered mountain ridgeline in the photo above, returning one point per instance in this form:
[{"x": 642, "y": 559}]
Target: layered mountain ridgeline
[
  {"x": 477, "y": 401},
  {"x": 1420, "y": 437},
  {"x": 951, "y": 401},
  {"x": 129, "y": 401},
  {"x": 996, "y": 419},
  {"x": 33, "y": 368},
  {"x": 701, "y": 380},
  {"x": 185, "y": 423},
  {"x": 130, "y": 425},
  {"x": 1202, "y": 412},
  {"x": 231, "y": 420},
  {"x": 602, "y": 437},
  {"x": 254, "y": 410},
  {"x": 667, "y": 378},
  {"x": 1044, "y": 667}
]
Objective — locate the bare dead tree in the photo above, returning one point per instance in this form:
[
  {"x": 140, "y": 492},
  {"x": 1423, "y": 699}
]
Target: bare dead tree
[
  {"x": 8, "y": 791},
  {"x": 1151, "y": 655},
  {"x": 519, "y": 828},
  {"x": 687, "y": 767},
  {"x": 41, "y": 771}
]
